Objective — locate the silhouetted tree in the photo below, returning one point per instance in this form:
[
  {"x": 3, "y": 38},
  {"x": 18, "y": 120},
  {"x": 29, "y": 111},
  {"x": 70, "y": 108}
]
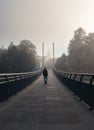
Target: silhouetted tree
[
  {"x": 20, "y": 58},
  {"x": 62, "y": 63},
  {"x": 76, "y": 50},
  {"x": 80, "y": 53}
]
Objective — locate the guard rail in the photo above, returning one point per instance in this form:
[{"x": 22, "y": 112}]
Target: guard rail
[
  {"x": 10, "y": 84},
  {"x": 81, "y": 84}
]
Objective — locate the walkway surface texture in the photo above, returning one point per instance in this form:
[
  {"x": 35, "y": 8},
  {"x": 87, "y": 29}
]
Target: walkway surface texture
[{"x": 45, "y": 107}]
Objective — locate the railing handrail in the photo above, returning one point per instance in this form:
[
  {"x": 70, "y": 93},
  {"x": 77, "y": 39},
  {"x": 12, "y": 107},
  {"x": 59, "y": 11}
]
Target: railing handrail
[
  {"x": 11, "y": 77},
  {"x": 71, "y": 74},
  {"x": 12, "y": 83},
  {"x": 21, "y": 73},
  {"x": 86, "y": 74}
]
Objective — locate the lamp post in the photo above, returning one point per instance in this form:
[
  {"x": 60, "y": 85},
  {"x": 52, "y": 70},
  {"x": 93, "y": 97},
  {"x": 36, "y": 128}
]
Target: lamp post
[
  {"x": 43, "y": 54},
  {"x": 53, "y": 54}
]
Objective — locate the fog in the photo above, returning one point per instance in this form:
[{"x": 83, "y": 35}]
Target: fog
[{"x": 44, "y": 21}]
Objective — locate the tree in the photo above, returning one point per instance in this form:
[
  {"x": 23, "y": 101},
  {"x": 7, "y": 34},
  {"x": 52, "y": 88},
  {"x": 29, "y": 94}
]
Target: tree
[
  {"x": 89, "y": 52},
  {"x": 76, "y": 50},
  {"x": 27, "y": 55},
  {"x": 80, "y": 53},
  {"x": 21, "y": 58},
  {"x": 62, "y": 63}
]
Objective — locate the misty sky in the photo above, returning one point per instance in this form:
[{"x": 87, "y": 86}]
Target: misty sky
[{"x": 44, "y": 21}]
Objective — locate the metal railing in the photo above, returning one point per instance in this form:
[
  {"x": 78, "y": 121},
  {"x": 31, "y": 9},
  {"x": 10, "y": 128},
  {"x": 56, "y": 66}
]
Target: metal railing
[
  {"x": 81, "y": 77},
  {"x": 81, "y": 84},
  {"x": 10, "y": 84}
]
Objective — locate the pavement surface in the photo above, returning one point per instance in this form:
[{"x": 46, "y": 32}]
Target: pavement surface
[{"x": 45, "y": 107}]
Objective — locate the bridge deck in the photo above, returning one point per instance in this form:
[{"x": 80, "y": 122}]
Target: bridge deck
[{"x": 45, "y": 107}]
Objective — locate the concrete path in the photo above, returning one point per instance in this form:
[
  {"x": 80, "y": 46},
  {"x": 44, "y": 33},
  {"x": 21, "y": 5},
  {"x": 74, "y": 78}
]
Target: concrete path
[{"x": 45, "y": 107}]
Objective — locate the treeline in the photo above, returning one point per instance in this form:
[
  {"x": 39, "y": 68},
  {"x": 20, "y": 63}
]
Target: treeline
[
  {"x": 18, "y": 58},
  {"x": 80, "y": 57}
]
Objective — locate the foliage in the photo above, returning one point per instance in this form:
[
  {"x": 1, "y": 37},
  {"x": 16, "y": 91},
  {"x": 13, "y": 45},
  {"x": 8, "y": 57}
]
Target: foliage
[
  {"x": 80, "y": 53},
  {"x": 61, "y": 63},
  {"x": 21, "y": 58}
]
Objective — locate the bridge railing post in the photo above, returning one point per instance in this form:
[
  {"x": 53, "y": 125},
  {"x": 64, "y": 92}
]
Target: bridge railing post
[
  {"x": 81, "y": 78},
  {"x": 91, "y": 80}
]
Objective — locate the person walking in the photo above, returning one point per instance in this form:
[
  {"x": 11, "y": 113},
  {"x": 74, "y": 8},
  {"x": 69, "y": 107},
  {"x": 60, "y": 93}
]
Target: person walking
[{"x": 45, "y": 74}]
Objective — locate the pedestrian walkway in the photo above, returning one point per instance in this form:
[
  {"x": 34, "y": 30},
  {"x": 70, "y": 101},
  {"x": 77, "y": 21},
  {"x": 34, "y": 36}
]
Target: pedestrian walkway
[{"x": 45, "y": 107}]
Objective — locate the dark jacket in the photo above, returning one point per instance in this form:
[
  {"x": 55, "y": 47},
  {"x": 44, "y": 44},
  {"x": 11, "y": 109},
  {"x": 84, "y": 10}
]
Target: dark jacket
[{"x": 45, "y": 72}]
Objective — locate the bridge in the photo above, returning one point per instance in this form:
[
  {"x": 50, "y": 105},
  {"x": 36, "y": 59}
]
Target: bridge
[{"x": 65, "y": 103}]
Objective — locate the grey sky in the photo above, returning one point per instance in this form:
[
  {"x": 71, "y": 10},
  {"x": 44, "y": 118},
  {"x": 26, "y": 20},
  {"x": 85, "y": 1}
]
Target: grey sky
[{"x": 44, "y": 21}]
